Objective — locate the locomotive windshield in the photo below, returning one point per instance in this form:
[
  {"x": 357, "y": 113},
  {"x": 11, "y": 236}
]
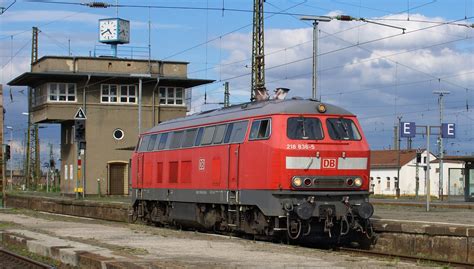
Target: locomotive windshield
[
  {"x": 304, "y": 128},
  {"x": 342, "y": 129}
]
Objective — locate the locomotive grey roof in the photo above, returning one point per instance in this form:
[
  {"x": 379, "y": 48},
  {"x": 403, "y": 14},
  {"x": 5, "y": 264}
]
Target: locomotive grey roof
[{"x": 270, "y": 107}]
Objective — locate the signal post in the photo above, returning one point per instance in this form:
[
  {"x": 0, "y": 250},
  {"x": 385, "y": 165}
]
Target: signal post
[{"x": 80, "y": 139}]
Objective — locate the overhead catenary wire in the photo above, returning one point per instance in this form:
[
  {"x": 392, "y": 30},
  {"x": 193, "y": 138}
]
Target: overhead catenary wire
[
  {"x": 340, "y": 49},
  {"x": 18, "y": 51}
]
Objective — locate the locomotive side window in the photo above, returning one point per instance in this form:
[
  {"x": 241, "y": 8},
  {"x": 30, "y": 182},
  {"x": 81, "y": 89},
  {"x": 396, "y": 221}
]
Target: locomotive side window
[
  {"x": 304, "y": 128},
  {"x": 163, "y": 139},
  {"x": 189, "y": 138},
  {"x": 219, "y": 134},
  {"x": 157, "y": 142},
  {"x": 342, "y": 129},
  {"x": 144, "y": 143},
  {"x": 151, "y": 143},
  {"x": 260, "y": 129},
  {"x": 228, "y": 132},
  {"x": 199, "y": 137},
  {"x": 176, "y": 139},
  {"x": 208, "y": 135},
  {"x": 236, "y": 132}
]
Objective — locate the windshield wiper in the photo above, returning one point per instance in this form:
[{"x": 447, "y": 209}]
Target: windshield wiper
[
  {"x": 301, "y": 119},
  {"x": 335, "y": 129}
]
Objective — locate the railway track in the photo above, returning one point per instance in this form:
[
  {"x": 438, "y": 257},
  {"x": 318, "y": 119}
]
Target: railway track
[
  {"x": 10, "y": 260},
  {"x": 373, "y": 253}
]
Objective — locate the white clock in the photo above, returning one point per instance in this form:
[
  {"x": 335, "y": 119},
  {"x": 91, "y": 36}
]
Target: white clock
[
  {"x": 114, "y": 31},
  {"x": 124, "y": 31}
]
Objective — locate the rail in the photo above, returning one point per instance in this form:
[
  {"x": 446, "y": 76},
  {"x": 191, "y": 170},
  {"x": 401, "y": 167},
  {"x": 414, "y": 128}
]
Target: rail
[{"x": 13, "y": 260}]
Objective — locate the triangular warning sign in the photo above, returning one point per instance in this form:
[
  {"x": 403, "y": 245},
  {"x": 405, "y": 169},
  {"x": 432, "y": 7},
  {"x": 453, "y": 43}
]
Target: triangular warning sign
[{"x": 80, "y": 115}]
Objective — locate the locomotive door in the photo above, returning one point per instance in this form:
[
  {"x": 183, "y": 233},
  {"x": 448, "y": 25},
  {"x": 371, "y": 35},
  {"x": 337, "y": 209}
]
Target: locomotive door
[
  {"x": 233, "y": 177},
  {"x": 140, "y": 170}
]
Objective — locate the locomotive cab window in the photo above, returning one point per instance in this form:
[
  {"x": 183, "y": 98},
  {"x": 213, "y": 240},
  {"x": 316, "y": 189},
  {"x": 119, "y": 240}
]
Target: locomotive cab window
[
  {"x": 342, "y": 129},
  {"x": 261, "y": 129},
  {"x": 304, "y": 128}
]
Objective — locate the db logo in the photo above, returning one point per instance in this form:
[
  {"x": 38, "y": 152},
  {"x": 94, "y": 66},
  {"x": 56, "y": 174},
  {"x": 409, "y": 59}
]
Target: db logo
[
  {"x": 329, "y": 163},
  {"x": 202, "y": 164}
]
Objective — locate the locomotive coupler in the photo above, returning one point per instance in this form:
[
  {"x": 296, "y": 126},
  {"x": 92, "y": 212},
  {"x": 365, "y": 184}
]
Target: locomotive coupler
[{"x": 328, "y": 224}]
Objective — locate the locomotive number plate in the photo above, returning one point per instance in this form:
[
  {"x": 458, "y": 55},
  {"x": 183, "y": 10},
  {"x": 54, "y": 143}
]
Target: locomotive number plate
[{"x": 300, "y": 147}]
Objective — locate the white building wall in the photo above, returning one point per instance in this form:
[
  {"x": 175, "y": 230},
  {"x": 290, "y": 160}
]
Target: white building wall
[
  {"x": 379, "y": 179},
  {"x": 383, "y": 180}
]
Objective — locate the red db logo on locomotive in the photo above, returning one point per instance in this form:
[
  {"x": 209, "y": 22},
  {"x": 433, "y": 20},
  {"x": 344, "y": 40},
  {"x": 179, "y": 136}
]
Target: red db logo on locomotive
[{"x": 329, "y": 163}]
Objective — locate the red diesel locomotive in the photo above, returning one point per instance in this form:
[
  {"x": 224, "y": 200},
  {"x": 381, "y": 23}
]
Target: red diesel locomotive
[{"x": 293, "y": 166}]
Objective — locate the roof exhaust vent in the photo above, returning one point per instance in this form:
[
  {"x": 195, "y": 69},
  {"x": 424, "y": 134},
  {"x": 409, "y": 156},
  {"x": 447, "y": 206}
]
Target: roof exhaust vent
[{"x": 280, "y": 93}]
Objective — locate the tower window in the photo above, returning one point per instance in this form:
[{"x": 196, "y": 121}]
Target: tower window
[
  {"x": 124, "y": 94},
  {"x": 62, "y": 92},
  {"x": 172, "y": 96}
]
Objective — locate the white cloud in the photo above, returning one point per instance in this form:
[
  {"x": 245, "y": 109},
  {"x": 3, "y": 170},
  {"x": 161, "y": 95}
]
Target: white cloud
[{"x": 394, "y": 76}]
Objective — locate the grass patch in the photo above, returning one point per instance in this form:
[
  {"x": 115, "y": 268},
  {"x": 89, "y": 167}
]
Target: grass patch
[{"x": 6, "y": 225}]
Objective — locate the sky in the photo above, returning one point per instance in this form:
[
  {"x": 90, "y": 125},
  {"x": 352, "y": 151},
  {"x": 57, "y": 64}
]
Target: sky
[{"x": 377, "y": 72}]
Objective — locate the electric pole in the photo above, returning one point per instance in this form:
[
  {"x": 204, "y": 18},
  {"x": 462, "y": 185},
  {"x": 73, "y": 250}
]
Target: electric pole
[
  {"x": 259, "y": 92},
  {"x": 226, "y": 102},
  {"x": 30, "y": 134},
  {"x": 397, "y": 182},
  {"x": 32, "y": 170},
  {"x": 440, "y": 139}
]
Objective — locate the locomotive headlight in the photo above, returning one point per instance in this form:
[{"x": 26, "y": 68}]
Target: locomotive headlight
[
  {"x": 297, "y": 182},
  {"x": 358, "y": 182},
  {"x": 321, "y": 108}
]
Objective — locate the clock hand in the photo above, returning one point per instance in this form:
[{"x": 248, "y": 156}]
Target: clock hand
[{"x": 108, "y": 30}]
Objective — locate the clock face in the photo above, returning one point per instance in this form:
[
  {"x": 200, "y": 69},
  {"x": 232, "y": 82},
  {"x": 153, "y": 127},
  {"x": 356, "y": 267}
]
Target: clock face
[
  {"x": 124, "y": 31},
  {"x": 108, "y": 30}
]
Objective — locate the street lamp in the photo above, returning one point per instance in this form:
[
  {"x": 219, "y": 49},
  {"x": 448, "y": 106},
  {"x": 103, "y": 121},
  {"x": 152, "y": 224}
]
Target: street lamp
[{"x": 316, "y": 20}]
